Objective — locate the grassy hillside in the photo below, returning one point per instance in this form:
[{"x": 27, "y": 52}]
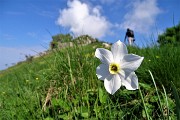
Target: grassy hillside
[{"x": 63, "y": 85}]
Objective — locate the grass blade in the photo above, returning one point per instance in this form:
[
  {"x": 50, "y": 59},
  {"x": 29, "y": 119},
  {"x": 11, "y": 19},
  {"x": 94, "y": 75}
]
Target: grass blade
[
  {"x": 147, "y": 115},
  {"x": 167, "y": 104},
  {"x": 177, "y": 100},
  {"x": 157, "y": 93}
]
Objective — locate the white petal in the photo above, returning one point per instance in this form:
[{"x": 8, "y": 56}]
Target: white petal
[
  {"x": 104, "y": 55},
  {"x": 102, "y": 71},
  {"x": 112, "y": 83},
  {"x": 125, "y": 73},
  {"x": 131, "y": 62},
  {"x": 131, "y": 82},
  {"x": 119, "y": 49}
]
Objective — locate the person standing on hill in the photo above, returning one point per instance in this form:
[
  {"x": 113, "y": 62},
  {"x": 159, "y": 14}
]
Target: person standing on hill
[{"x": 130, "y": 36}]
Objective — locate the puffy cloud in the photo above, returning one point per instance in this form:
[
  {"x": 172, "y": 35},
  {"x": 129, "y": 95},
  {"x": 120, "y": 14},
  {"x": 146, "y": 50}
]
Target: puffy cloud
[
  {"x": 141, "y": 15},
  {"x": 80, "y": 18}
]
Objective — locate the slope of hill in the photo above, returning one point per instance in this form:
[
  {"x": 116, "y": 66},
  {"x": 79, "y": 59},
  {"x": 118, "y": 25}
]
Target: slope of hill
[{"x": 63, "y": 85}]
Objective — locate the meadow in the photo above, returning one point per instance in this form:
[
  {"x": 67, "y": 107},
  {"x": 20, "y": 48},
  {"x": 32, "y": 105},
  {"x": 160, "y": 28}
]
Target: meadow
[{"x": 63, "y": 85}]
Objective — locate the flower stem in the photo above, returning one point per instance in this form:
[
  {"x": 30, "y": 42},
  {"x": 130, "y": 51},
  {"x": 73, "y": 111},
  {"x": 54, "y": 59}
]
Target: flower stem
[
  {"x": 157, "y": 93},
  {"x": 147, "y": 115}
]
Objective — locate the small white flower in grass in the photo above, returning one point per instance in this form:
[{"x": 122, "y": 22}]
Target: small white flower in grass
[{"x": 117, "y": 68}]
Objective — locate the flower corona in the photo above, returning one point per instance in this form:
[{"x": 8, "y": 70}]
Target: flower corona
[{"x": 114, "y": 68}]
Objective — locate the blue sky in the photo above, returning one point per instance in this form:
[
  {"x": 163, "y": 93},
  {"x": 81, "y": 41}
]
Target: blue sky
[{"x": 26, "y": 26}]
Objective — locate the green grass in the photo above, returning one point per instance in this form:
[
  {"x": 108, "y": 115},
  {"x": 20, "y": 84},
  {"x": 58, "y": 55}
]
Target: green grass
[{"x": 63, "y": 85}]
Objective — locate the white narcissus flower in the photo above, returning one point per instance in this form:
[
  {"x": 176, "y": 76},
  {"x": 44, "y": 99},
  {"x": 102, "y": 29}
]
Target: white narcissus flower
[{"x": 117, "y": 68}]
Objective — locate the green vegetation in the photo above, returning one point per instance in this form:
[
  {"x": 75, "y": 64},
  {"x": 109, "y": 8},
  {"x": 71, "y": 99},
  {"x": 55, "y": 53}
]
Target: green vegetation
[
  {"x": 170, "y": 37},
  {"x": 63, "y": 85},
  {"x": 64, "y": 40},
  {"x": 60, "y": 38}
]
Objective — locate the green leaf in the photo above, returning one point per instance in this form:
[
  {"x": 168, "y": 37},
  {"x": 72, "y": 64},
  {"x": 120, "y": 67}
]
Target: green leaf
[
  {"x": 61, "y": 103},
  {"x": 75, "y": 101},
  {"x": 91, "y": 91},
  {"x": 102, "y": 96},
  {"x": 85, "y": 114},
  {"x": 145, "y": 86},
  {"x": 65, "y": 116},
  {"x": 153, "y": 99},
  {"x": 48, "y": 118},
  {"x": 83, "y": 111}
]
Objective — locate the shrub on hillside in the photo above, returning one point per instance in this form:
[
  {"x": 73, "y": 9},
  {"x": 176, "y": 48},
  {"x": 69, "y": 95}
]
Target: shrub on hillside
[{"x": 170, "y": 37}]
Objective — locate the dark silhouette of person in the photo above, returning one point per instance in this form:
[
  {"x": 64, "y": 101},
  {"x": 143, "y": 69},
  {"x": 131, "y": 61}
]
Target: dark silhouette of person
[{"x": 130, "y": 36}]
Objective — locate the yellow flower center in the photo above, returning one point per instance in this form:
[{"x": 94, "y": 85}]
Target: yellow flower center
[{"x": 114, "y": 68}]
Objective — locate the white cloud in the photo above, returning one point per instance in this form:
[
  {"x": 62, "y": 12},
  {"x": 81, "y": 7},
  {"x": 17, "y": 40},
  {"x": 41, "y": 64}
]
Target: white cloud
[
  {"x": 11, "y": 55},
  {"x": 80, "y": 18},
  {"x": 141, "y": 15}
]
